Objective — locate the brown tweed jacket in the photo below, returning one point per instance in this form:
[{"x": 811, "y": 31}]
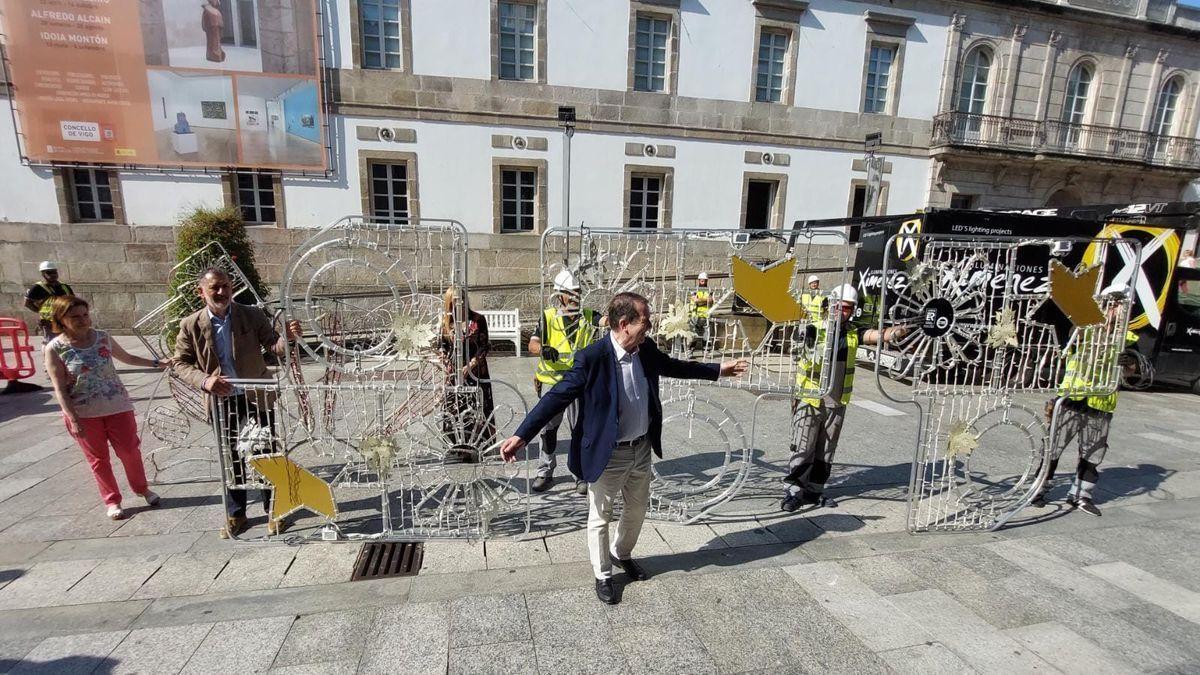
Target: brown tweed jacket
[{"x": 196, "y": 351}]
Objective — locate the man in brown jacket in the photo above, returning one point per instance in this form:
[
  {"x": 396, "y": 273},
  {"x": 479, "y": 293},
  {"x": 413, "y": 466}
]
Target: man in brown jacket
[{"x": 225, "y": 340}]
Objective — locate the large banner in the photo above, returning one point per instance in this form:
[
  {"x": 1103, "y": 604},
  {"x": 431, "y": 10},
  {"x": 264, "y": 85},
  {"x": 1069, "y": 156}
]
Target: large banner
[{"x": 180, "y": 83}]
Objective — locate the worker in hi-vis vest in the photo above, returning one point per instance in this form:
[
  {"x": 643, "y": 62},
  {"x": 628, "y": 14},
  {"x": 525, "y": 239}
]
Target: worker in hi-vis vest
[
  {"x": 817, "y": 422},
  {"x": 1086, "y": 419},
  {"x": 812, "y": 300},
  {"x": 699, "y": 307},
  {"x": 564, "y": 329},
  {"x": 39, "y": 295}
]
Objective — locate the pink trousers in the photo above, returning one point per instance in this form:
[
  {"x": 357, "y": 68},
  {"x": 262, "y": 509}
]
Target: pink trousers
[{"x": 119, "y": 430}]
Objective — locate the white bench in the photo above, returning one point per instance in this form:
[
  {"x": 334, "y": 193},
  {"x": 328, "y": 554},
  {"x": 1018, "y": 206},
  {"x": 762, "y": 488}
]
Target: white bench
[{"x": 504, "y": 324}]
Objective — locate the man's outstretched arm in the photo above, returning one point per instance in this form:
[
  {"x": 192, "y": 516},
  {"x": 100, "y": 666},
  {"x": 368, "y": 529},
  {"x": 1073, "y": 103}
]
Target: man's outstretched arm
[{"x": 553, "y": 402}]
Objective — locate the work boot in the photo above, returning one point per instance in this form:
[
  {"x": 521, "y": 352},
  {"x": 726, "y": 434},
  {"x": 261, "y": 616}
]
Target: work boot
[
  {"x": 541, "y": 483},
  {"x": 234, "y": 525}
]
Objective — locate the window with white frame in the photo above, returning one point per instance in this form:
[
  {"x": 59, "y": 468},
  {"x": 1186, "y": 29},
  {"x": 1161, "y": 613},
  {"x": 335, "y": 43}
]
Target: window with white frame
[
  {"x": 255, "y": 194},
  {"x": 518, "y": 199},
  {"x": 1166, "y": 105},
  {"x": 389, "y": 192},
  {"x": 1079, "y": 83},
  {"x": 518, "y": 40},
  {"x": 879, "y": 75},
  {"x": 91, "y": 195},
  {"x": 772, "y": 58},
  {"x": 650, "y": 53},
  {"x": 645, "y": 199},
  {"x": 972, "y": 87},
  {"x": 381, "y": 46}
]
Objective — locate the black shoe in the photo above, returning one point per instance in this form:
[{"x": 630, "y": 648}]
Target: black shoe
[
  {"x": 632, "y": 568},
  {"x": 794, "y": 502},
  {"x": 790, "y": 503},
  {"x": 1084, "y": 504},
  {"x": 606, "y": 592},
  {"x": 581, "y": 487},
  {"x": 541, "y": 483},
  {"x": 1039, "y": 501},
  {"x": 1071, "y": 502}
]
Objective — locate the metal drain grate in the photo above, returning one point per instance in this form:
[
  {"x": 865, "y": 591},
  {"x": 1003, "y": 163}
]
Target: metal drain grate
[{"x": 391, "y": 559}]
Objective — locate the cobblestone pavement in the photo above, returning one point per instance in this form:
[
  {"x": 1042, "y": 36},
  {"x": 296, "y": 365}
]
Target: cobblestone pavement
[{"x": 749, "y": 590}]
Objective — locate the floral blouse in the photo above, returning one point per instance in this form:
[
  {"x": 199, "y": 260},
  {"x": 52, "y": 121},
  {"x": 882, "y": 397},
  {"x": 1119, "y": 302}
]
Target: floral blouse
[{"x": 92, "y": 381}]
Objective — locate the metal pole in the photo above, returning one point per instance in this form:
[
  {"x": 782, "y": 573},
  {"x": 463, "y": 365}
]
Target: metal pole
[{"x": 568, "y": 132}]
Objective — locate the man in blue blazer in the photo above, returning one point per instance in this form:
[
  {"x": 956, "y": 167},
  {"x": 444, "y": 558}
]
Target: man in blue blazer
[{"x": 619, "y": 424}]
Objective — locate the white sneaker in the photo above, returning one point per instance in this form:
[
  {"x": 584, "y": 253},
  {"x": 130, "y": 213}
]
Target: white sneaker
[
  {"x": 150, "y": 497},
  {"x": 115, "y": 512}
]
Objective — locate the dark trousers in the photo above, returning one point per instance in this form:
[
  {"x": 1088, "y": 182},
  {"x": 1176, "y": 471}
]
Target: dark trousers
[
  {"x": 234, "y": 417},
  {"x": 815, "y": 433}
]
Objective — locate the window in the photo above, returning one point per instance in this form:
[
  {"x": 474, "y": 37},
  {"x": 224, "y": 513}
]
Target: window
[
  {"x": 760, "y": 201},
  {"x": 91, "y": 193},
  {"x": 389, "y": 192},
  {"x": 879, "y": 73},
  {"x": 517, "y": 27},
  {"x": 255, "y": 196},
  {"x": 772, "y": 55},
  {"x": 858, "y": 201},
  {"x": 1166, "y": 105},
  {"x": 972, "y": 88},
  {"x": 1078, "y": 84},
  {"x": 961, "y": 201},
  {"x": 645, "y": 197},
  {"x": 381, "y": 46},
  {"x": 518, "y": 200},
  {"x": 650, "y": 53},
  {"x": 859, "y": 198}
]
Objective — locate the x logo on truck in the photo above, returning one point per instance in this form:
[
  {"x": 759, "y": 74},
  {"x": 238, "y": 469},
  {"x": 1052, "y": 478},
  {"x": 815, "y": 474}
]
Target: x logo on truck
[{"x": 1151, "y": 280}]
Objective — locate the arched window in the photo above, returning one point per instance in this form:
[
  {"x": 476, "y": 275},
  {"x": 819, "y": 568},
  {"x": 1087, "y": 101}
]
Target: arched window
[
  {"x": 1079, "y": 83},
  {"x": 972, "y": 88},
  {"x": 1165, "y": 106}
]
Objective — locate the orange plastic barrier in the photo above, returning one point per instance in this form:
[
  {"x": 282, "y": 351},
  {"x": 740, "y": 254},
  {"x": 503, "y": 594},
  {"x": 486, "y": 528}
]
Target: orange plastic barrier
[{"x": 16, "y": 354}]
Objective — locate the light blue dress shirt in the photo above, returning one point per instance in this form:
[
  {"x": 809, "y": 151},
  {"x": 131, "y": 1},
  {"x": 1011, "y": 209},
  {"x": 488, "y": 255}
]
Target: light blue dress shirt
[{"x": 223, "y": 339}]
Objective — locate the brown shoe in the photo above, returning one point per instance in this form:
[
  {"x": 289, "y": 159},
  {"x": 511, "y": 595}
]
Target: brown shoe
[
  {"x": 234, "y": 525},
  {"x": 275, "y": 527}
]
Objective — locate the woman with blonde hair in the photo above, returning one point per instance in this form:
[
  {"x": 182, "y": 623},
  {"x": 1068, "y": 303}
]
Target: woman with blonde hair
[
  {"x": 95, "y": 405},
  {"x": 473, "y": 344}
]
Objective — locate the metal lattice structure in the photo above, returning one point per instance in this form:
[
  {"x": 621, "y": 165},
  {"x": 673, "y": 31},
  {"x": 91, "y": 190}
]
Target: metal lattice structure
[
  {"x": 178, "y": 421},
  {"x": 986, "y": 342},
  {"x": 378, "y": 432},
  {"x": 706, "y": 451}
]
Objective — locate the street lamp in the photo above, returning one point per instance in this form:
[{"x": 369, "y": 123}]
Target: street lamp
[{"x": 566, "y": 119}]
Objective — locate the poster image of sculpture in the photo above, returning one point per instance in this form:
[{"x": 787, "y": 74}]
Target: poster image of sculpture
[
  {"x": 279, "y": 122},
  {"x": 260, "y": 36},
  {"x": 194, "y": 117}
]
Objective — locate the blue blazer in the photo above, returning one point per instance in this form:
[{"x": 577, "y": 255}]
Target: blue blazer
[{"x": 595, "y": 380}]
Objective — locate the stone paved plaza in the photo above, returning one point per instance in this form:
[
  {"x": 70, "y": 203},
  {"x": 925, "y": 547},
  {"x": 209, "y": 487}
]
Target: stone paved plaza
[{"x": 749, "y": 590}]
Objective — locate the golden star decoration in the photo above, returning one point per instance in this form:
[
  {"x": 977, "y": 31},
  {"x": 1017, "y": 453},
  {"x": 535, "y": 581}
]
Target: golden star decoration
[
  {"x": 1073, "y": 293},
  {"x": 295, "y": 487},
  {"x": 768, "y": 290}
]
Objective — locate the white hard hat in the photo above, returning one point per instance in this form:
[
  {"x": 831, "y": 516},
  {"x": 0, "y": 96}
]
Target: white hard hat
[
  {"x": 813, "y": 277},
  {"x": 1116, "y": 288},
  {"x": 845, "y": 293},
  {"x": 703, "y": 276},
  {"x": 47, "y": 265},
  {"x": 565, "y": 281}
]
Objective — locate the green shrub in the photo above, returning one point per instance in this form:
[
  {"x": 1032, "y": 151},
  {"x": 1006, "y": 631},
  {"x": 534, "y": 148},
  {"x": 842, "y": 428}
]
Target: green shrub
[{"x": 197, "y": 229}]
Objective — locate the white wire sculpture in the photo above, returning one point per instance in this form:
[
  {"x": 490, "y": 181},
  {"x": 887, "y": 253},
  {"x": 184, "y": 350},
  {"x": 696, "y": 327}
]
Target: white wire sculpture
[
  {"x": 379, "y": 432},
  {"x": 986, "y": 343},
  {"x": 177, "y": 421},
  {"x": 756, "y": 279}
]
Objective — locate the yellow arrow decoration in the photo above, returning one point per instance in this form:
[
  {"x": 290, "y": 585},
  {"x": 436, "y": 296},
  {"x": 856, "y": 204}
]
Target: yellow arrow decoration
[
  {"x": 1073, "y": 293},
  {"x": 769, "y": 290},
  {"x": 295, "y": 487}
]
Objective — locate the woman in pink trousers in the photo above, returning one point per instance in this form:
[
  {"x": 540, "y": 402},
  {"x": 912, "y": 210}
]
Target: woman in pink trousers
[{"x": 96, "y": 407}]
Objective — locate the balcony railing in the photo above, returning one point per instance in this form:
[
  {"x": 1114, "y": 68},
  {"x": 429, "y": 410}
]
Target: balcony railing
[{"x": 1063, "y": 138}]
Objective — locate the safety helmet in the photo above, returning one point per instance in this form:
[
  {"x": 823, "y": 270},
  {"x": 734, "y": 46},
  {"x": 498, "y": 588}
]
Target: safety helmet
[
  {"x": 564, "y": 282},
  {"x": 703, "y": 276},
  {"x": 48, "y": 266},
  {"x": 1116, "y": 290},
  {"x": 813, "y": 278},
  {"x": 845, "y": 293}
]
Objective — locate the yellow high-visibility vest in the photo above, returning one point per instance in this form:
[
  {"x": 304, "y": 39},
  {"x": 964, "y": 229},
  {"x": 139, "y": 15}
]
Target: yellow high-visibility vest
[
  {"x": 808, "y": 371},
  {"x": 699, "y": 311},
  {"x": 551, "y": 372},
  {"x": 1083, "y": 376}
]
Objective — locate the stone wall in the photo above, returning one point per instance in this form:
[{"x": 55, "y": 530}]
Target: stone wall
[{"x": 123, "y": 270}]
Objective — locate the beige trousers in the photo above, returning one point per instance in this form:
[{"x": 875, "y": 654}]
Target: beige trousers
[{"x": 628, "y": 475}]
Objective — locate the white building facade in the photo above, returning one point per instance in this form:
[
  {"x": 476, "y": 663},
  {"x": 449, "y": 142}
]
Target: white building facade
[{"x": 689, "y": 113}]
